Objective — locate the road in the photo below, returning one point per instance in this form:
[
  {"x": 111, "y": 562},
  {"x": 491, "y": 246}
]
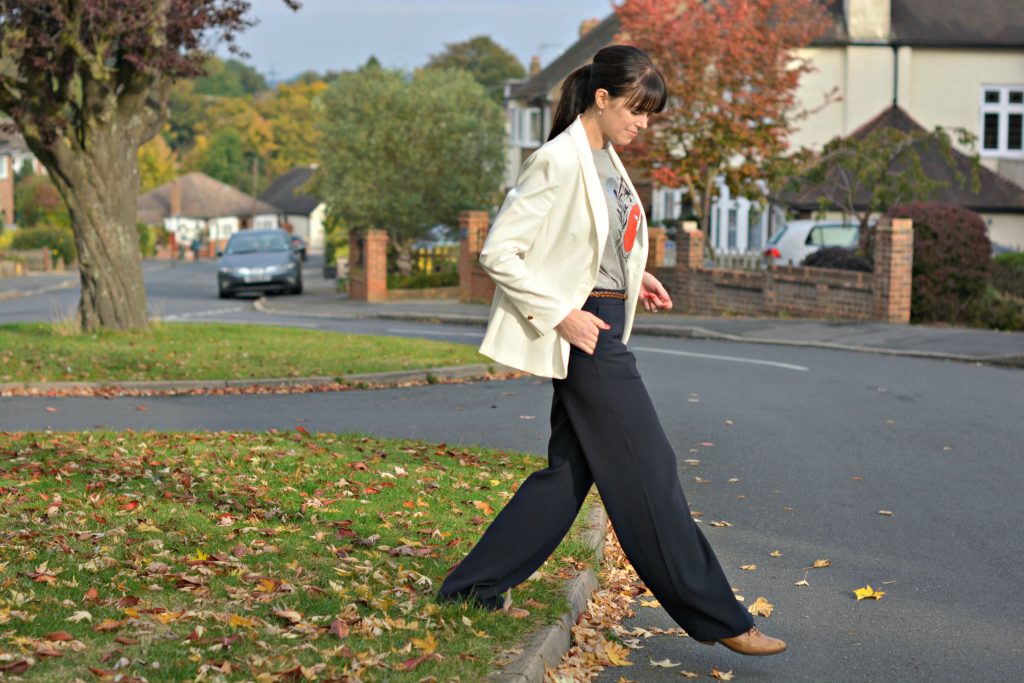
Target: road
[{"x": 819, "y": 440}]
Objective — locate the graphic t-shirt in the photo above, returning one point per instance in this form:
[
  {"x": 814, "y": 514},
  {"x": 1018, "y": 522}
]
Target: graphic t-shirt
[{"x": 623, "y": 219}]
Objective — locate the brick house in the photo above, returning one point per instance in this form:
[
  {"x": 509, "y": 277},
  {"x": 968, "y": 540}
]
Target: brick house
[{"x": 943, "y": 62}]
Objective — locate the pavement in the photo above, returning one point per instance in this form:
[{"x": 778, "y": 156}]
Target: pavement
[{"x": 926, "y": 341}]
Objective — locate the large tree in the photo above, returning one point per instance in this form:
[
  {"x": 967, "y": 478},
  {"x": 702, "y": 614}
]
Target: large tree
[
  {"x": 732, "y": 71},
  {"x": 86, "y": 83},
  {"x": 407, "y": 154},
  {"x": 490, "y": 63}
]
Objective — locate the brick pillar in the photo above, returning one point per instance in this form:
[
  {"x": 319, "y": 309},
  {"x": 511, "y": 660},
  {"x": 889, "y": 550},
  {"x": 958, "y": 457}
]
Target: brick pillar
[
  {"x": 656, "y": 248},
  {"x": 368, "y": 265},
  {"x": 689, "y": 247},
  {"x": 894, "y": 260},
  {"x": 474, "y": 284},
  {"x": 6, "y": 191}
]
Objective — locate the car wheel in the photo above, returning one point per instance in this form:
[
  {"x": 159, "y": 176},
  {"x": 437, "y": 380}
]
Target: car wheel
[
  {"x": 297, "y": 289},
  {"x": 225, "y": 294}
]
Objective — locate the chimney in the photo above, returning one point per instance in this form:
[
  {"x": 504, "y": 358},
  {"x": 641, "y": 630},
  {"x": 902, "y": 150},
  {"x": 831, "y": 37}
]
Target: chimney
[
  {"x": 176, "y": 198},
  {"x": 535, "y": 65},
  {"x": 586, "y": 25},
  {"x": 868, "y": 19}
]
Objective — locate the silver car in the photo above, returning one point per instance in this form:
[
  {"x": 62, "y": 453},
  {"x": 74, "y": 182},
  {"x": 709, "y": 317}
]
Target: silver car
[
  {"x": 798, "y": 239},
  {"x": 258, "y": 260}
]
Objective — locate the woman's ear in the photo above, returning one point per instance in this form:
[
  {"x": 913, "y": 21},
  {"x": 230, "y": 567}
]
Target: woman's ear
[{"x": 601, "y": 98}]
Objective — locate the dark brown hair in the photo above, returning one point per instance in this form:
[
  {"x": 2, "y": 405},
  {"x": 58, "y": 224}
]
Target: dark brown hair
[{"x": 622, "y": 70}]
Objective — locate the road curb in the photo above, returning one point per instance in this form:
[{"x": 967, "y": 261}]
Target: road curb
[
  {"x": 477, "y": 370},
  {"x": 546, "y": 646}
]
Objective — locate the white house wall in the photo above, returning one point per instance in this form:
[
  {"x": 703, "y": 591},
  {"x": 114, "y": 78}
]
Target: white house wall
[{"x": 1006, "y": 229}]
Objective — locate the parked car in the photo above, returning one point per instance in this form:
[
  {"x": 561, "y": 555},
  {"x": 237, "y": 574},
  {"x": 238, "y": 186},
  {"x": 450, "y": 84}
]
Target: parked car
[
  {"x": 258, "y": 260},
  {"x": 299, "y": 245},
  {"x": 791, "y": 245}
]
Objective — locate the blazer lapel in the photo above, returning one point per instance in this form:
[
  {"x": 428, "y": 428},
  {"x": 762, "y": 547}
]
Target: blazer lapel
[{"x": 592, "y": 183}]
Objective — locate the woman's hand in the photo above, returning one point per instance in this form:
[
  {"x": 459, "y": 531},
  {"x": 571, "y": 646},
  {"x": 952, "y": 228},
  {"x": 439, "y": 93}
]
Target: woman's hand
[
  {"x": 653, "y": 294},
  {"x": 581, "y": 329}
]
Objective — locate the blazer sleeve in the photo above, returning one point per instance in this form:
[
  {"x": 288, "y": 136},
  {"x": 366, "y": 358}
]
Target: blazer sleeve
[{"x": 510, "y": 238}]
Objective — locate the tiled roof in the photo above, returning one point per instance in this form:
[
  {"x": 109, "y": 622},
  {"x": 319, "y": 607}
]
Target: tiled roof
[
  {"x": 933, "y": 23},
  {"x": 201, "y": 197},
  {"x": 287, "y": 192},
  {"x": 995, "y": 193}
]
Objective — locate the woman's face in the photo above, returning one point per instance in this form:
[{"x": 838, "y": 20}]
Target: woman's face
[{"x": 618, "y": 123}]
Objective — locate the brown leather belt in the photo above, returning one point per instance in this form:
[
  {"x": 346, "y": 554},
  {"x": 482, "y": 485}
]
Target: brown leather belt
[{"x": 608, "y": 294}]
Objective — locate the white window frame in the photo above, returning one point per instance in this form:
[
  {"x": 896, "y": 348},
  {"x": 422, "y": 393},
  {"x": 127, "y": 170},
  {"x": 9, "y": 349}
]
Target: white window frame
[
  {"x": 1003, "y": 109},
  {"x": 520, "y": 133},
  {"x": 3, "y": 167}
]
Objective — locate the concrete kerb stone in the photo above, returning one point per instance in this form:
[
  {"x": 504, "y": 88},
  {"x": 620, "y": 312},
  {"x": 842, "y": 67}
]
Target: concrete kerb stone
[
  {"x": 385, "y": 378},
  {"x": 546, "y": 646}
]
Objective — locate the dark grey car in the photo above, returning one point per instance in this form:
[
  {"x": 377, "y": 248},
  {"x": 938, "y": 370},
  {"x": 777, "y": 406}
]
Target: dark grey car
[{"x": 258, "y": 261}]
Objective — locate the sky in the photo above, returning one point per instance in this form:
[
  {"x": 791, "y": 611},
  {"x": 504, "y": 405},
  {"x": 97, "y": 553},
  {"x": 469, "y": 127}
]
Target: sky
[{"x": 342, "y": 34}]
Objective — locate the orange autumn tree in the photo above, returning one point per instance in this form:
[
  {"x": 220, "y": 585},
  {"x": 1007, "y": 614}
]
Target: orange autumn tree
[{"x": 732, "y": 71}]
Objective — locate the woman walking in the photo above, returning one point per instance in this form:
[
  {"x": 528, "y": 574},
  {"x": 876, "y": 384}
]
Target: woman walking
[{"x": 567, "y": 253}]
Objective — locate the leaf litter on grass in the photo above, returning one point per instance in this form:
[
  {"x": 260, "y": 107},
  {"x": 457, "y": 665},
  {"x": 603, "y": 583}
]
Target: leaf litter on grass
[{"x": 116, "y": 549}]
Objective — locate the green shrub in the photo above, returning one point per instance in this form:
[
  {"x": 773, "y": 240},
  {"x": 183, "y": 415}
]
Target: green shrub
[
  {"x": 1008, "y": 273},
  {"x": 60, "y": 241},
  {"x": 952, "y": 260},
  {"x": 444, "y": 278},
  {"x": 996, "y": 310}
]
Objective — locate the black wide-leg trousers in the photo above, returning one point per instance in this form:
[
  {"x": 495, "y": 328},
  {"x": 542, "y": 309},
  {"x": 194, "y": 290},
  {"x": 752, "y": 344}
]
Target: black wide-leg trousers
[{"x": 604, "y": 430}]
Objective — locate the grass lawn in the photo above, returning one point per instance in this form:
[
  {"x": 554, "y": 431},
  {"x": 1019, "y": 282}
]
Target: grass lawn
[
  {"x": 253, "y": 556},
  {"x": 37, "y": 352}
]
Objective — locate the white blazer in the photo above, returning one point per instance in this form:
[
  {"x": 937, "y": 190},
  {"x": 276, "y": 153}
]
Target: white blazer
[{"x": 544, "y": 250}]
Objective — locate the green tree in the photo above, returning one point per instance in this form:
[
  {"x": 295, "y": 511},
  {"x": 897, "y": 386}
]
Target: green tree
[
  {"x": 37, "y": 201},
  {"x": 230, "y": 78},
  {"x": 158, "y": 164},
  {"x": 225, "y": 159},
  {"x": 86, "y": 83},
  {"x": 489, "y": 63},
  {"x": 405, "y": 155},
  {"x": 292, "y": 114}
]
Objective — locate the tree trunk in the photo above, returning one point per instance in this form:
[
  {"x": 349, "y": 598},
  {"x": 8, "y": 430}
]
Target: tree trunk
[{"x": 98, "y": 177}]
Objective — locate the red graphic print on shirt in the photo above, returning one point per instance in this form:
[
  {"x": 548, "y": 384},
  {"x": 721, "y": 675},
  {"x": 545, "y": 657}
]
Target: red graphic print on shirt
[{"x": 631, "y": 226}]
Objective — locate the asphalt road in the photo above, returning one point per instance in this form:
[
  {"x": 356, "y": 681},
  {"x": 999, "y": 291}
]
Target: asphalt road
[{"x": 819, "y": 440}]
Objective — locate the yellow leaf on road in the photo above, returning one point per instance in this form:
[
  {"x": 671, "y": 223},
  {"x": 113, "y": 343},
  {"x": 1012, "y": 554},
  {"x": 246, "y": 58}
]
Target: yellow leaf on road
[
  {"x": 802, "y": 582},
  {"x": 650, "y": 603},
  {"x": 775, "y": 553},
  {"x": 721, "y": 675},
  {"x": 688, "y": 674},
  {"x": 617, "y": 654},
  {"x": 748, "y": 567},
  {"x": 819, "y": 564},
  {"x": 867, "y": 592},
  {"x": 761, "y": 607}
]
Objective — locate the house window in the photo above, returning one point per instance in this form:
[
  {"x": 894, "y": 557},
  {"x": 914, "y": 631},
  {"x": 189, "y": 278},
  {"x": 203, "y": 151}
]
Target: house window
[
  {"x": 3, "y": 168},
  {"x": 1002, "y": 120},
  {"x": 526, "y": 126}
]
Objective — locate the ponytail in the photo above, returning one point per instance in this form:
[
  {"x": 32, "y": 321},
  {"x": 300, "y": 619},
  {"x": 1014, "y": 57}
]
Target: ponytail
[
  {"x": 622, "y": 70},
  {"x": 574, "y": 99}
]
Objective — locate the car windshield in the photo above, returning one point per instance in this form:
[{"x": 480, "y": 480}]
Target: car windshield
[
  {"x": 248, "y": 243},
  {"x": 777, "y": 236}
]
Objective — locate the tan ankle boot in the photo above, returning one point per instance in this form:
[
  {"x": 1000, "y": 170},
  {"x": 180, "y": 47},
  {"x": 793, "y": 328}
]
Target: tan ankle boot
[{"x": 753, "y": 642}]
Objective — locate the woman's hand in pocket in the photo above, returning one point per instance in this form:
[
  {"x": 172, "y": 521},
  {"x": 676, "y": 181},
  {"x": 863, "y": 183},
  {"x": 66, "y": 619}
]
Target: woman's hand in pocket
[{"x": 581, "y": 328}]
